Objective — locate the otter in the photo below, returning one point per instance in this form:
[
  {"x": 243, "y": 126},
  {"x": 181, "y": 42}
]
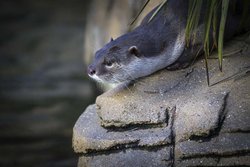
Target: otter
[{"x": 154, "y": 45}]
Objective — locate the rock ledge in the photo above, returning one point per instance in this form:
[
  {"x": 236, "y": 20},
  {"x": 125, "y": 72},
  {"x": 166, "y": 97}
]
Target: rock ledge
[{"x": 172, "y": 118}]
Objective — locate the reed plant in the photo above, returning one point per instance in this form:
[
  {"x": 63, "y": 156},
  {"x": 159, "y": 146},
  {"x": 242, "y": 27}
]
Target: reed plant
[{"x": 211, "y": 22}]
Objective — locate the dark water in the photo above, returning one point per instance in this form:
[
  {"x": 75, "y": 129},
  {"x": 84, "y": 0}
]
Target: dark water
[{"x": 43, "y": 88}]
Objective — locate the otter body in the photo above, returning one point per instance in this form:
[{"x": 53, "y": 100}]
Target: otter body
[{"x": 152, "y": 46}]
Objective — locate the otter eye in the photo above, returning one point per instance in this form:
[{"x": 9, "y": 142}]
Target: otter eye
[{"x": 109, "y": 64}]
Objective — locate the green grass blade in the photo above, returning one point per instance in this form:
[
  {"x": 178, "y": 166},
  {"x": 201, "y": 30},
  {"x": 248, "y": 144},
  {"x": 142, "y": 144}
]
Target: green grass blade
[
  {"x": 157, "y": 10},
  {"x": 207, "y": 71},
  {"x": 191, "y": 7},
  {"x": 136, "y": 17},
  {"x": 215, "y": 22},
  {"x": 208, "y": 20},
  {"x": 193, "y": 20},
  {"x": 225, "y": 4},
  {"x": 197, "y": 18}
]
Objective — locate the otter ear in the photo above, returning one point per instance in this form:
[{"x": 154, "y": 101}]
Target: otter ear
[
  {"x": 134, "y": 51},
  {"x": 111, "y": 39}
]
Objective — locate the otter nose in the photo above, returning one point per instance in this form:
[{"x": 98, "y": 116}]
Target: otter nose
[{"x": 91, "y": 70}]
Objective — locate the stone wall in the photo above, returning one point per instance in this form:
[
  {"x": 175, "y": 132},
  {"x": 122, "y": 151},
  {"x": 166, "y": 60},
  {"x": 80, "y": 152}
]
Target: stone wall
[{"x": 173, "y": 118}]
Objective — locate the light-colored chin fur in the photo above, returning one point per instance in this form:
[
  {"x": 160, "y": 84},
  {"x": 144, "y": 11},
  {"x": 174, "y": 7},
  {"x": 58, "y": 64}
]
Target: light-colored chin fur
[{"x": 96, "y": 78}]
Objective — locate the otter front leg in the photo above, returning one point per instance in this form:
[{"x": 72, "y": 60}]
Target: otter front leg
[{"x": 187, "y": 57}]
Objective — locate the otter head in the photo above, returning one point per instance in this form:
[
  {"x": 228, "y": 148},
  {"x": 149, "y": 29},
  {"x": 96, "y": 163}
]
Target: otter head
[{"x": 110, "y": 63}]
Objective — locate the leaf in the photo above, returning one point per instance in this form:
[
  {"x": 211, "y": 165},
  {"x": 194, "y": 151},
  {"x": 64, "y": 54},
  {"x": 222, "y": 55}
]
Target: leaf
[
  {"x": 157, "y": 10},
  {"x": 224, "y": 10},
  {"x": 208, "y": 20},
  {"x": 207, "y": 71},
  {"x": 193, "y": 19},
  {"x": 209, "y": 14},
  {"x": 136, "y": 17},
  {"x": 215, "y": 16}
]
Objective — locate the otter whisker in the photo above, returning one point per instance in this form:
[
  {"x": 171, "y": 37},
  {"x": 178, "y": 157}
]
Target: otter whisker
[
  {"x": 133, "y": 79},
  {"x": 120, "y": 82},
  {"x": 127, "y": 87}
]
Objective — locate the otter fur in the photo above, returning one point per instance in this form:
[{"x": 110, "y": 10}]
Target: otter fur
[{"x": 154, "y": 45}]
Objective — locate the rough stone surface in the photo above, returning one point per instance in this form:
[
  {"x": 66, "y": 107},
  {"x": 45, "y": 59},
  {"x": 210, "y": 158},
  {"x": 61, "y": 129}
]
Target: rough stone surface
[
  {"x": 120, "y": 109},
  {"x": 199, "y": 116},
  {"x": 223, "y": 145},
  {"x": 152, "y": 158},
  {"x": 204, "y": 125},
  {"x": 238, "y": 114},
  {"x": 216, "y": 161},
  {"x": 127, "y": 105},
  {"x": 89, "y": 136}
]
